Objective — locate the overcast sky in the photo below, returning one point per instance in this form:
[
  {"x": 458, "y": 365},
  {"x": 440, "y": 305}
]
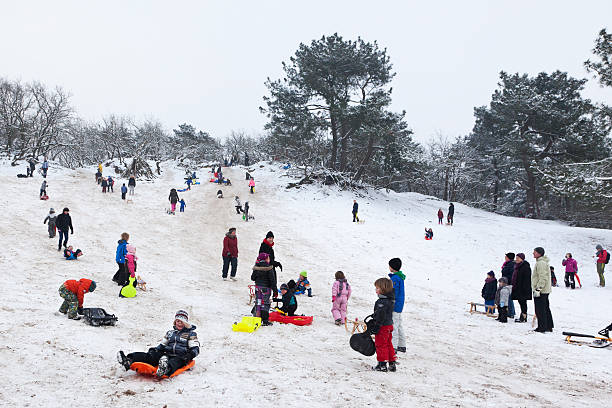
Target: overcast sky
[{"x": 205, "y": 63}]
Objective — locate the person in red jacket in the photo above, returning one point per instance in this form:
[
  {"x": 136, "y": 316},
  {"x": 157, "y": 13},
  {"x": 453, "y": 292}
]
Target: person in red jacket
[
  {"x": 72, "y": 292},
  {"x": 602, "y": 257},
  {"x": 440, "y": 216},
  {"x": 230, "y": 254}
]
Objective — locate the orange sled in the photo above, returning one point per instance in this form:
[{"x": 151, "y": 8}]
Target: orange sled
[
  {"x": 148, "y": 369},
  {"x": 297, "y": 320}
]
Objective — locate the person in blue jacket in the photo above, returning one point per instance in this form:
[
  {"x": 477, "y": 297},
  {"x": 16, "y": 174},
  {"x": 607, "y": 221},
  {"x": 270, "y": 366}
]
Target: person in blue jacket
[
  {"x": 182, "y": 202},
  {"x": 189, "y": 181},
  {"x": 122, "y": 274},
  {"x": 124, "y": 191},
  {"x": 397, "y": 277}
]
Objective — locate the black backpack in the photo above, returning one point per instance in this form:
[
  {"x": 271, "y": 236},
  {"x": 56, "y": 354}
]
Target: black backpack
[
  {"x": 607, "y": 257},
  {"x": 96, "y": 316},
  {"x": 362, "y": 342}
]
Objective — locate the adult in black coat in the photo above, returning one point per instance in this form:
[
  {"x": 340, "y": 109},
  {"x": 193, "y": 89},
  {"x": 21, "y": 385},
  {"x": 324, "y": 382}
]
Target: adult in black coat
[
  {"x": 267, "y": 247},
  {"x": 63, "y": 223},
  {"x": 521, "y": 284}
]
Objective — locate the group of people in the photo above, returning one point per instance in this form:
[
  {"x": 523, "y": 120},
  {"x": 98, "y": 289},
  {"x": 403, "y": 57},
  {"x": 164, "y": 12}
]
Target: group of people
[
  {"x": 108, "y": 183},
  {"x": 450, "y": 215}
]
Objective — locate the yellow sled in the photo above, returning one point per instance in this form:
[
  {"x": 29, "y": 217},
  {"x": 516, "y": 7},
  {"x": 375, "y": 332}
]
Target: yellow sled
[{"x": 248, "y": 324}]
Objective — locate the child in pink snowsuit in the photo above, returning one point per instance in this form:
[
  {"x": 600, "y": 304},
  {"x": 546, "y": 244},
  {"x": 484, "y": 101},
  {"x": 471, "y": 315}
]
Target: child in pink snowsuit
[
  {"x": 341, "y": 292},
  {"x": 131, "y": 259},
  {"x": 252, "y": 185}
]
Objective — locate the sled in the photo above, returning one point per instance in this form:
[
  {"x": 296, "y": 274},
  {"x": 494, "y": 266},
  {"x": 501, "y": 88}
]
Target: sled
[
  {"x": 182, "y": 190},
  {"x": 141, "y": 284},
  {"x": 361, "y": 221},
  {"x": 296, "y": 320},
  {"x": 45, "y": 197},
  {"x": 96, "y": 316},
  {"x": 248, "y": 324},
  {"x": 577, "y": 278},
  {"x": 148, "y": 369},
  {"x": 489, "y": 309},
  {"x": 358, "y": 326},
  {"x": 251, "y": 293},
  {"x": 601, "y": 341},
  {"x": 428, "y": 239}
]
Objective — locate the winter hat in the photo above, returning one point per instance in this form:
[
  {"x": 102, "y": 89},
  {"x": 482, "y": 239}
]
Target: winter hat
[
  {"x": 510, "y": 255},
  {"x": 284, "y": 286},
  {"x": 65, "y": 209},
  {"x": 395, "y": 264},
  {"x": 503, "y": 280},
  {"x": 183, "y": 316},
  {"x": 539, "y": 250},
  {"x": 304, "y": 274},
  {"x": 491, "y": 274},
  {"x": 51, "y": 210},
  {"x": 131, "y": 249},
  {"x": 92, "y": 286},
  {"x": 599, "y": 247},
  {"x": 270, "y": 234},
  {"x": 521, "y": 255},
  {"x": 262, "y": 257}
]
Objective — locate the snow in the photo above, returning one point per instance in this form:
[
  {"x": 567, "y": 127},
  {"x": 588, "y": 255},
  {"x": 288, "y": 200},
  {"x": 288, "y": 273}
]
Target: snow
[{"x": 453, "y": 358}]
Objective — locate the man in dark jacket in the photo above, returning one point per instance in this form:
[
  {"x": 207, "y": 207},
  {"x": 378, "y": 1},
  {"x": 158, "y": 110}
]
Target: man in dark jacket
[
  {"x": 267, "y": 247},
  {"x": 355, "y": 210},
  {"x": 63, "y": 223},
  {"x": 230, "y": 254},
  {"x": 507, "y": 272},
  {"x": 179, "y": 346}
]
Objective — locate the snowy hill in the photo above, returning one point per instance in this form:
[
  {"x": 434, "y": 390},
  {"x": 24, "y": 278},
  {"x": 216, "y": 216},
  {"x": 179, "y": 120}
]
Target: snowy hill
[{"x": 453, "y": 358}]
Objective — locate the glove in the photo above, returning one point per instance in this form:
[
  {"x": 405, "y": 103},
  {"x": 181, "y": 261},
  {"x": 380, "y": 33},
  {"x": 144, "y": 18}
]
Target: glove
[
  {"x": 333, "y": 298},
  {"x": 536, "y": 293},
  {"x": 80, "y": 310}
]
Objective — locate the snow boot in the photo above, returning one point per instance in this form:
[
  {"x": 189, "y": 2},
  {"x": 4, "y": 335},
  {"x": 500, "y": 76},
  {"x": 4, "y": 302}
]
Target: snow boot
[
  {"x": 401, "y": 349},
  {"x": 123, "y": 360},
  {"x": 233, "y": 279},
  {"x": 382, "y": 366},
  {"x": 392, "y": 366},
  {"x": 224, "y": 279},
  {"x": 338, "y": 322},
  {"x": 162, "y": 366},
  {"x": 521, "y": 319}
]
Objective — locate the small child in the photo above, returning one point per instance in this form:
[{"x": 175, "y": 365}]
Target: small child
[
  {"x": 228, "y": 182},
  {"x": 70, "y": 253},
  {"x": 238, "y": 205},
  {"x": 252, "y": 185},
  {"x": 246, "y": 211},
  {"x": 131, "y": 259},
  {"x": 382, "y": 325},
  {"x": 219, "y": 194},
  {"x": 553, "y": 278},
  {"x": 124, "y": 191},
  {"x": 73, "y": 293},
  {"x": 502, "y": 297},
  {"x": 489, "y": 289},
  {"x": 289, "y": 301},
  {"x": 182, "y": 202},
  {"x": 428, "y": 233},
  {"x": 303, "y": 285},
  {"x": 341, "y": 293},
  {"x": 440, "y": 217},
  {"x": 51, "y": 218}
]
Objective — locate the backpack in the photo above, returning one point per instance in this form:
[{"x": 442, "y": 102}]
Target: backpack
[
  {"x": 96, "y": 316},
  {"x": 607, "y": 258}
]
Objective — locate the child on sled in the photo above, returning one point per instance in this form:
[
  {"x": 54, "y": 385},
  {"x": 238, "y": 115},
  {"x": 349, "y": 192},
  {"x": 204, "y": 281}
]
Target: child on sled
[
  {"x": 303, "y": 285},
  {"x": 289, "y": 301},
  {"x": 341, "y": 292},
  {"x": 70, "y": 253},
  {"x": 179, "y": 346},
  {"x": 428, "y": 233}
]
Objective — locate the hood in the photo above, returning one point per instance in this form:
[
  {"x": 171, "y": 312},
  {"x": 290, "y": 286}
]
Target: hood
[
  {"x": 390, "y": 295},
  {"x": 122, "y": 242},
  {"x": 398, "y": 273},
  {"x": 230, "y": 236},
  {"x": 543, "y": 258},
  {"x": 262, "y": 267},
  {"x": 265, "y": 241}
]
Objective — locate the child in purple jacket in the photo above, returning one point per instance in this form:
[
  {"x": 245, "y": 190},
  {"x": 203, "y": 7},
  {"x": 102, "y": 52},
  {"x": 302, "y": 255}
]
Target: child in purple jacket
[{"x": 341, "y": 292}]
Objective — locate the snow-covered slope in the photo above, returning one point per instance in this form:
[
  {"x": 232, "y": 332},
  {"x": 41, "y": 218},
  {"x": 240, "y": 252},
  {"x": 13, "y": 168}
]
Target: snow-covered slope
[{"x": 453, "y": 358}]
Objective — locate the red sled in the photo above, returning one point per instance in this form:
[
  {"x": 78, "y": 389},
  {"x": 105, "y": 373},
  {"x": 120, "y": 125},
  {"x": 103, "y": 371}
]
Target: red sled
[
  {"x": 577, "y": 278},
  {"x": 297, "y": 320},
  {"x": 45, "y": 197},
  {"x": 427, "y": 239},
  {"x": 148, "y": 369}
]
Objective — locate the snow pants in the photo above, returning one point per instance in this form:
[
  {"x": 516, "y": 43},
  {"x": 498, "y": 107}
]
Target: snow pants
[
  {"x": 152, "y": 358},
  {"x": 227, "y": 260},
  {"x": 542, "y": 311},
  {"x": 600, "y": 272},
  {"x": 43, "y": 192},
  {"x": 384, "y": 344},
  {"x": 71, "y": 302},
  {"x": 510, "y": 308},
  {"x": 440, "y": 221},
  {"x": 62, "y": 235},
  {"x": 173, "y": 207},
  {"x": 123, "y": 196},
  {"x": 252, "y": 189},
  {"x": 355, "y": 217},
  {"x": 569, "y": 280},
  {"x": 339, "y": 308},
  {"x": 399, "y": 340},
  {"x": 51, "y": 230},
  {"x": 131, "y": 190},
  {"x": 239, "y": 209},
  {"x": 262, "y": 302},
  {"x": 122, "y": 274}
]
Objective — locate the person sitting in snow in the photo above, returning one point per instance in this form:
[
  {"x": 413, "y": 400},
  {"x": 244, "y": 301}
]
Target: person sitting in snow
[
  {"x": 219, "y": 194},
  {"x": 303, "y": 285},
  {"x": 502, "y": 297},
  {"x": 288, "y": 298},
  {"x": 228, "y": 182},
  {"x": 70, "y": 253},
  {"x": 179, "y": 346},
  {"x": 73, "y": 293},
  {"x": 428, "y": 233},
  {"x": 51, "y": 218}
]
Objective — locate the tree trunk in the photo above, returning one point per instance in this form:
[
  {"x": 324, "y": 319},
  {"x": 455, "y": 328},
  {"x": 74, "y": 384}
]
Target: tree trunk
[
  {"x": 445, "y": 194},
  {"x": 366, "y": 159},
  {"x": 531, "y": 202},
  {"x": 495, "y": 185},
  {"x": 334, "y": 131}
]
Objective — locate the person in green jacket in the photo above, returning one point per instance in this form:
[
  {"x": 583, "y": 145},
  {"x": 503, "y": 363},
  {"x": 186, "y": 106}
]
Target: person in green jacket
[{"x": 541, "y": 287}]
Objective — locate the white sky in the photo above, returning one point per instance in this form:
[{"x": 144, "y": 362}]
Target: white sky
[{"x": 205, "y": 63}]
